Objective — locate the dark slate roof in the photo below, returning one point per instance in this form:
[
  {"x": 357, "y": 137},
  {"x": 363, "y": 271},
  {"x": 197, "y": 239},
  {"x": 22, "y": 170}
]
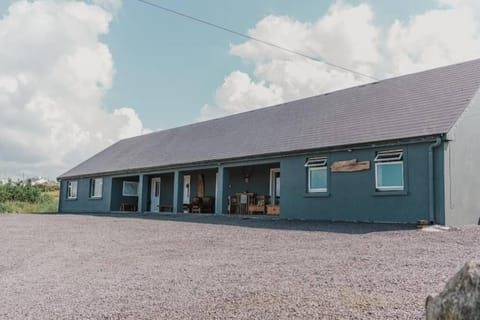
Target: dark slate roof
[{"x": 420, "y": 104}]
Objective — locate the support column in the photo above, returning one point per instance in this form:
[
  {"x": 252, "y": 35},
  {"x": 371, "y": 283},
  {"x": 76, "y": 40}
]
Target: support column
[
  {"x": 177, "y": 186},
  {"x": 221, "y": 198},
  {"x": 140, "y": 203}
]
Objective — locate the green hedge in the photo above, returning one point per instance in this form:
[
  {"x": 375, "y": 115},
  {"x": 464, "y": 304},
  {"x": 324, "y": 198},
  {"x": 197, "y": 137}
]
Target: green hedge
[{"x": 20, "y": 192}]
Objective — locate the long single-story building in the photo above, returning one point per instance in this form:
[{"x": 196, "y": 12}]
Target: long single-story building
[{"x": 399, "y": 150}]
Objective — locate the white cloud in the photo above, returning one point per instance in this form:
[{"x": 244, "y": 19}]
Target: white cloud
[
  {"x": 54, "y": 73},
  {"x": 346, "y": 35},
  {"x": 283, "y": 76},
  {"x": 239, "y": 93},
  {"x": 109, "y": 5},
  {"x": 437, "y": 37},
  {"x": 471, "y": 4}
]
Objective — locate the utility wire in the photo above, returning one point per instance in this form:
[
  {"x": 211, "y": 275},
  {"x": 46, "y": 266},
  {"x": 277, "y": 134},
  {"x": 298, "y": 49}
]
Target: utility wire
[{"x": 267, "y": 43}]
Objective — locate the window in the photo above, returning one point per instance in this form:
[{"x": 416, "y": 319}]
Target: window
[
  {"x": 72, "y": 189},
  {"x": 317, "y": 174},
  {"x": 389, "y": 170},
  {"x": 130, "y": 189},
  {"x": 96, "y": 186}
]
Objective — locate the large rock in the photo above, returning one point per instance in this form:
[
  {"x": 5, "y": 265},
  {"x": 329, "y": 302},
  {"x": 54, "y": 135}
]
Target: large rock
[{"x": 461, "y": 297}]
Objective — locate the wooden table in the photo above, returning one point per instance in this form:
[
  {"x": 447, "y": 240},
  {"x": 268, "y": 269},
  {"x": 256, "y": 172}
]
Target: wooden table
[
  {"x": 166, "y": 208},
  {"x": 273, "y": 209},
  {"x": 128, "y": 207},
  {"x": 243, "y": 201}
]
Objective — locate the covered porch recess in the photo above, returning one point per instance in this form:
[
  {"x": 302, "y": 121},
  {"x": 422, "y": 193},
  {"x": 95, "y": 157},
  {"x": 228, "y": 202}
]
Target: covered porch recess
[{"x": 254, "y": 189}]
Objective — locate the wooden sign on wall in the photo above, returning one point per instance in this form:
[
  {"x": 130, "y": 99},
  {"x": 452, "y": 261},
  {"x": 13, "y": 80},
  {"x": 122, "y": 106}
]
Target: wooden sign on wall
[{"x": 350, "y": 166}]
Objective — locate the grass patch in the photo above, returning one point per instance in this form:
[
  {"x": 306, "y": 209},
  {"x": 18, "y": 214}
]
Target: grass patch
[
  {"x": 47, "y": 202},
  {"x": 43, "y": 201}
]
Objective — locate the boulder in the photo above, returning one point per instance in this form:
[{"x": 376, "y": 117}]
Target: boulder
[{"x": 461, "y": 297}]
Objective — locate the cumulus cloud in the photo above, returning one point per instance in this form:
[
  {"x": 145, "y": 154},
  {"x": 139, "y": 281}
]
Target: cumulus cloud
[
  {"x": 282, "y": 76},
  {"x": 471, "y": 4},
  {"x": 109, "y": 5},
  {"x": 437, "y": 37},
  {"x": 346, "y": 35},
  {"x": 54, "y": 72},
  {"x": 239, "y": 93}
]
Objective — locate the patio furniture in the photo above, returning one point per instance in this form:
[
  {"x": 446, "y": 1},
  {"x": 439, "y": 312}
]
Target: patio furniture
[
  {"x": 166, "y": 208},
  {"x": 196, "y": 205},
  {"x": 128, "y": 207},
  {"x": 258, "y": 204},
  {"x": 207, "y": 205},
  {"x": 232, "y": 204},
  {"x": 243, "y": 201},
  {"x": 273, "y": 209},
  {"x": 186, "y": 208}
]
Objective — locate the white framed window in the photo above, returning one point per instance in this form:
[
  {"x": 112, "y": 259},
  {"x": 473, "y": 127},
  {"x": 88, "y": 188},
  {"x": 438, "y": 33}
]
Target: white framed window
[
  {"x": 317, "y": 174},
  {"x": 72, "y": 187},
  {"x": 316, "y": 162},
  {"x": 130, "y": 189},
  {"x": 389, "y": 174},
  {"x": 96, "y": 187},
  {"x": 392, "y": 155}
]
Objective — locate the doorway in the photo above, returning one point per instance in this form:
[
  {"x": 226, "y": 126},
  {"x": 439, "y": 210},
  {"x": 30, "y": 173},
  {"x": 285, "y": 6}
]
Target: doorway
[
  {"x": 275, "y": 185},
  {"x": 186, "y": 190},
  {"x": 155, "y": 194}
]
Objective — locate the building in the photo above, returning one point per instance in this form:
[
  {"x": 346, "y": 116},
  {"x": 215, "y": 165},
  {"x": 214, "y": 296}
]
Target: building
[
  {"x": 399, "y": 150},
  {"x": 38, "y": 180}
]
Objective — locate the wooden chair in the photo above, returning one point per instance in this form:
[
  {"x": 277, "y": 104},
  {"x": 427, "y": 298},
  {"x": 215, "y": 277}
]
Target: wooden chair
[
  {"x": 128, "y": 207},
  {"x": 207, "y": 204},
  {"x": 186, "y": 208},
  {"x": 166, "y": 208},
  {"x": 258, "y": 204},
  {"x": 243, "y": 202},
  {"x": 196, "y": 205},
  {"x": 232, "y": 204}
]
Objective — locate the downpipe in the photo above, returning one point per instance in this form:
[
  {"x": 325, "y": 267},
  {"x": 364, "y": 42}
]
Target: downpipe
[{"x": 431, "y": 191}]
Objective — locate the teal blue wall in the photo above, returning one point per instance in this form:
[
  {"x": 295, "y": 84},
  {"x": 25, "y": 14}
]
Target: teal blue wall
[
  {"x": 116, "y": 196},
  {"x": 208, "y": 178},
  {"x": 352, "y": 196},
  {"x": 83, "y": 203},
  {"x": 166, "y": 190},
  {"x": 258, "y": 181}
]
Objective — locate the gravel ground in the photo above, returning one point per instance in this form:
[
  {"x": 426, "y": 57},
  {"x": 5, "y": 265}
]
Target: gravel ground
[{"x": 205, "y": 267}]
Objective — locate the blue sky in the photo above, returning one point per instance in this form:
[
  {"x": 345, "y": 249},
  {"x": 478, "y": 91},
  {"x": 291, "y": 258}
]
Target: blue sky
[
  {"x": 78, "y": 75},
  {"x": 167, "y": 67}
]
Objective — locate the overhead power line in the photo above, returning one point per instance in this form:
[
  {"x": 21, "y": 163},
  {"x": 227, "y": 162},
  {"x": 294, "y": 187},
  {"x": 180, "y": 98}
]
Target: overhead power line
[
  {"x": 274, "y": 45},
  {"x": 246, "y": 36}
]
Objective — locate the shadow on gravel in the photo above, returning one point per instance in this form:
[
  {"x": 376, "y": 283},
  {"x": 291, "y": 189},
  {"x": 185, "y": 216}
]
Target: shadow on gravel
[{"x": 266, "y": 222}]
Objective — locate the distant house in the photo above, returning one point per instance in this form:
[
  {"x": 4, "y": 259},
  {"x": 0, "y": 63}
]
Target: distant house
[
  {"x": 38, "y": 180},
  {"x": 399, "y": 150}
]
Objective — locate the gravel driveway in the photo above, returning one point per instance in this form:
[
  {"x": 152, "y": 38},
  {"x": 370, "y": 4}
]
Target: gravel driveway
[{"x": 205, "y": 267}]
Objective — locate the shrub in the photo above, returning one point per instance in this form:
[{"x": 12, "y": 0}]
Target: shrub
[
  {"x": 4, "y": 207},
  {"x": 19, "y": 192}
]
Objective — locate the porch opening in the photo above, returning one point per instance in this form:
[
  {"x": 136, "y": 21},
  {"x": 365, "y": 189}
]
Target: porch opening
[
  {"x": 159, "y": 192},
  {"x": 254, "y": 189},
  {"x": 199, "y": 190},
  {"x": 124, "y": 196}
]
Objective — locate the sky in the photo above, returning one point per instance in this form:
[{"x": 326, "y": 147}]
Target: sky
[{"x": 77, "y": 76}]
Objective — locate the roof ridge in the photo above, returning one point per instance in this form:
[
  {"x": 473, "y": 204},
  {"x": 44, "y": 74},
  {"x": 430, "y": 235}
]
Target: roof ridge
[
  {"x": 363, "y": 85},
  {"x": 364, "y": 113}
]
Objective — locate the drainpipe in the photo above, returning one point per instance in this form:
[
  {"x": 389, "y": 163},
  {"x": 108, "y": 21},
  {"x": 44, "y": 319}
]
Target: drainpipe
[{"x": 431, "y": 198}]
